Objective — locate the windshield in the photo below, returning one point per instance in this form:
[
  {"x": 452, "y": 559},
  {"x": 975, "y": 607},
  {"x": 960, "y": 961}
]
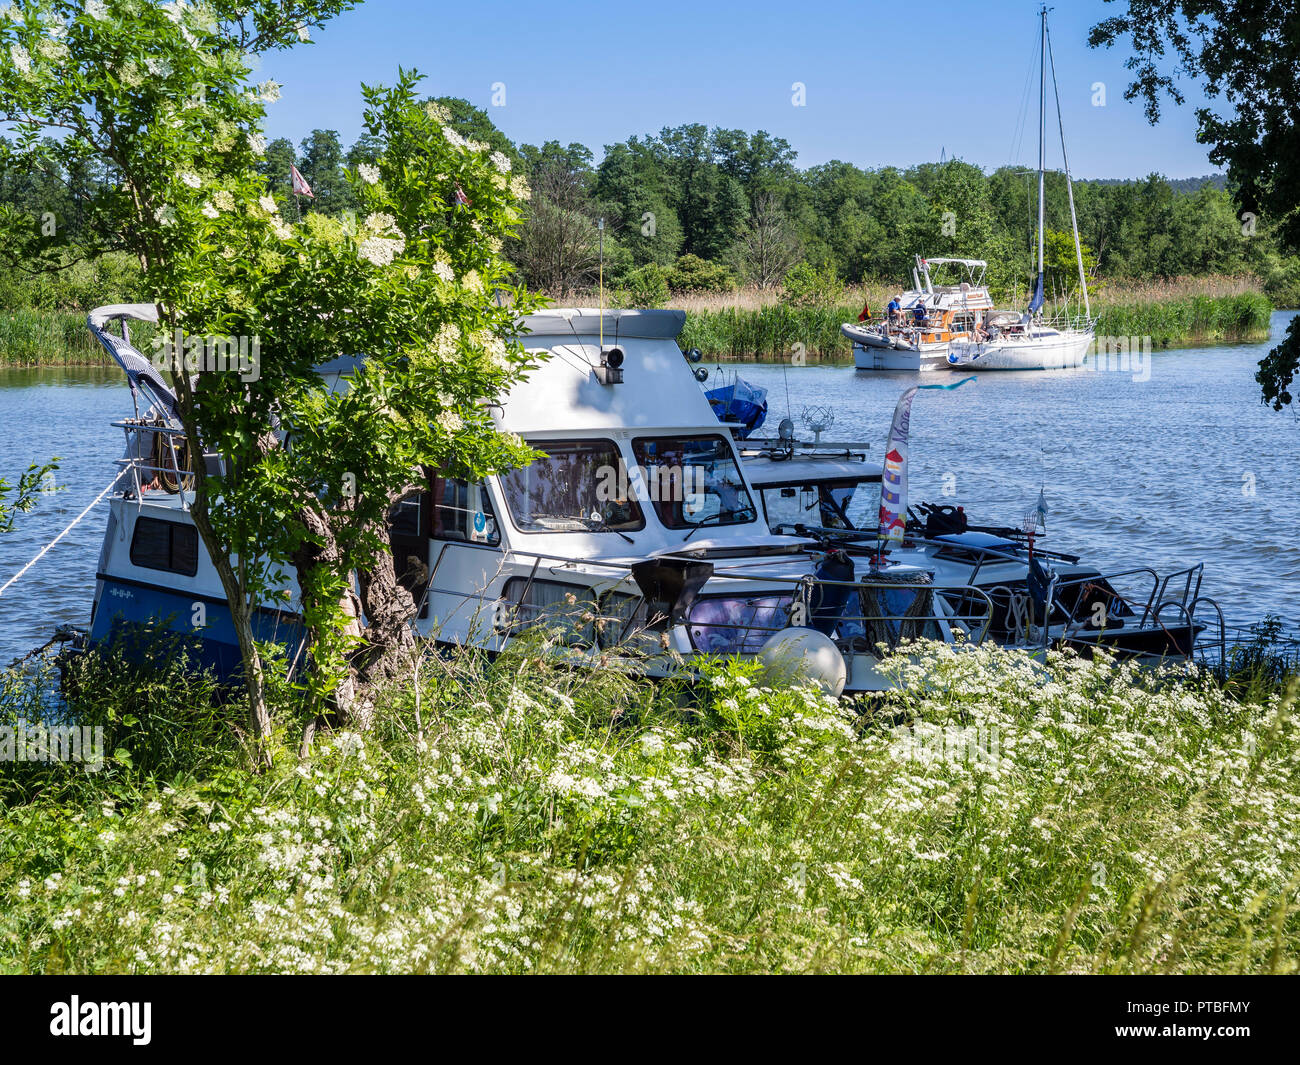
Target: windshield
[
  {"x": 693, "y": 480},
  {"x": 822, "y": 504},
  {"x": 578, "y": 486}
]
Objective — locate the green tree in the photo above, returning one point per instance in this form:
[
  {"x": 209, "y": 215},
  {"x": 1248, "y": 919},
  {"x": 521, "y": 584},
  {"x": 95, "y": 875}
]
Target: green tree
[
  {"x": 321, "y": 164},
  {"x": 164, "y": 93},
  {"x": 1246, "y": 54}
]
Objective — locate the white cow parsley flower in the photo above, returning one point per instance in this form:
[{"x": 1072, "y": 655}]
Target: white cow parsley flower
[
  {"x": 369, "y": 174},
  {"x": 501, "y": 161},
  {"x": 96, "y": 9},
  {"x": 22, "y": 60},
  {"x": 192, "y": 180}
]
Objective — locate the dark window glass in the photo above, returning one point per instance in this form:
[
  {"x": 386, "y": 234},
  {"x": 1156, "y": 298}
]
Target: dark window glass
[
  {"x": 694, "y": 480},
  {"x": 165, "y": 545},
  {"x": 464, "y": 512},
  {"x": 578, "y": 486}
]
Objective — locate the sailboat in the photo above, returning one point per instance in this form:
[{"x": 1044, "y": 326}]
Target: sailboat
[{"x": 1032, "y": 342}]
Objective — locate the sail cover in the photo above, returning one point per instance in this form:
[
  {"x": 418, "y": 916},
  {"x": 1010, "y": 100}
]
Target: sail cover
[
  {"x": 739, "y": 402},
  {"x": 1037, "y": 301}
]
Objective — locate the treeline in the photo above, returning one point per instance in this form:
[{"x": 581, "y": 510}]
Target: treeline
[{"x": 694, "y": 209}]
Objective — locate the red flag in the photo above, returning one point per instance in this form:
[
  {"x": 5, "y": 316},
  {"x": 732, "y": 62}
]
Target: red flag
[
  {"x": 300, "y": 186},
  {"x": 461, "y": 198}
]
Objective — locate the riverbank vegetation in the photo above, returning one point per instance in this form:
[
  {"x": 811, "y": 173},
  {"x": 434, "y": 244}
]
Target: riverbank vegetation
[
  {"x": 766, "y": 325},
  {"x": 511, "y": 816},
  {"x": 716, "y": 220}
]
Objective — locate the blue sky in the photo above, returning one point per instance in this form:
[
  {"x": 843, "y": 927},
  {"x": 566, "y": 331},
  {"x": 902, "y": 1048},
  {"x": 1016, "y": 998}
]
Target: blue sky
[{"x": 885, "y": 83}]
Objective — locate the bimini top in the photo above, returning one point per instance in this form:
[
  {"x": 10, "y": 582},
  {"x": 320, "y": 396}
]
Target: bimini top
[
  {"x": 140, "y": 372},
  {"x": 654, "y": 387}
]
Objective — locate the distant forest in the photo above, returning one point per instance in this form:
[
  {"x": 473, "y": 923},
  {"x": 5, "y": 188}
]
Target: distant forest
[{"x": 694, "y": 208}]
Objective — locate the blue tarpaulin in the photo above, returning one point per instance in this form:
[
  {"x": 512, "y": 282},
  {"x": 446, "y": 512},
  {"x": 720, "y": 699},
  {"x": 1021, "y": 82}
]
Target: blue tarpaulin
[{"x": 739, "y": 402}]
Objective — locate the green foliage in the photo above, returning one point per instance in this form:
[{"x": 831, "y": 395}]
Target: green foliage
[
  {"x": 36, "y": 480},
  {"x": 692, "y": 274},
  {"x": 812, "y": 287},
  {"x": 992, "y": 814},
  {"x": 646, "y": 286}
]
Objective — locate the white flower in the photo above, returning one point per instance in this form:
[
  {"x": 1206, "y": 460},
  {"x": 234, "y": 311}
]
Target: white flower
[
  {"x": 443, "y": 271},
  {"x": 304, "y": 33},
  {"x": 159, "y": 68},
  {"x": 369, "y": 174},
  {"x": 223, "y": 200},
  {"x": 268, "y": 204},
  {"x": 192, "y": 180},
  {"x": 257, "y": 143},
  {"x": 501, "y": 161},
  {"x": 447, "y": 339},
  {"x": 450, "y": 420},
  {"x": 22, "y": 60},
  {"x": 437, "y": 112},
  {"x": 166, "y": 215},
  {"x": 53, "y": 49},
  {"x": 209, "y": 211},
  {"x": 281, "y": 228},
  {"x": 268, "y": 92},
  {"x": 453, "y": 138},
  {"x": 380, "y": 250},
  {"x": 96, "y": 9}
]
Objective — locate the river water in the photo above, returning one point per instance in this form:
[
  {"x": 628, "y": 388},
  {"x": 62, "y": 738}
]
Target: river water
[{"x": 1183, "y": 466}]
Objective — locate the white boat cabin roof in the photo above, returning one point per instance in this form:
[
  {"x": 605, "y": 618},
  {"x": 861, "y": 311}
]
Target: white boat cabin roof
[
  {"x": 566, "y": 393},
  {"x": 766, "y": 472}
]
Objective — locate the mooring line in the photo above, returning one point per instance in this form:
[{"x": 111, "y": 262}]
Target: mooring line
[{"x": 41, "y": 554}]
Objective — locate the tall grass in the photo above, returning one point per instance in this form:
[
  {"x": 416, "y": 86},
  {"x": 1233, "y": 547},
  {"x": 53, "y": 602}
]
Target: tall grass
[
  {"x": 991, "y": 815},
  {"x": 47, "y": 338}
]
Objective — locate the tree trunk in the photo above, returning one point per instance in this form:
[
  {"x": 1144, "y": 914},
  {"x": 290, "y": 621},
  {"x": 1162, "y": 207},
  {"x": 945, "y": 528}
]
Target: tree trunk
[{"x": 386, "y": 638}]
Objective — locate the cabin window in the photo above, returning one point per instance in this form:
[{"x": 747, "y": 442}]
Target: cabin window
[
  {"x": 165, "y": 545},
  {"x": 694, "y": 480},
  {"x": 825, "y": 505},
  {"x": 578, "y": 486},
  {"x": 464, "y": 512}
]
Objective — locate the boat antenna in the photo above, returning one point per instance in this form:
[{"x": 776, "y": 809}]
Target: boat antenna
[
  {"x": 1069, "y": 183},
  {"x": 600, "y": 228}
]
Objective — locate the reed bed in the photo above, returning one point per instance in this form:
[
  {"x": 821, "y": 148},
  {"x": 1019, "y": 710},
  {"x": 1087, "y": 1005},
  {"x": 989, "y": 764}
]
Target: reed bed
[{"x": 47, "y": 338}]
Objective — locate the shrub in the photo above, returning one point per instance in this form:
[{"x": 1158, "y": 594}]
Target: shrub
[{"x": 693, "y": 274}]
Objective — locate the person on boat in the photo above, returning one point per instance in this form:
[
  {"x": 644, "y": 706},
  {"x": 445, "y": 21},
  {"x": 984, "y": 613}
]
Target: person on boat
[
  {"x": 895, "y": 309},
  {"x": 919, "y": 312}
]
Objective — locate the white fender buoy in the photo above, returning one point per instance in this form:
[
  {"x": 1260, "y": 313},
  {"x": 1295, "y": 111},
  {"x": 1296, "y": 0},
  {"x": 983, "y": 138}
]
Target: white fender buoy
[{"x": 798, "y": 655}]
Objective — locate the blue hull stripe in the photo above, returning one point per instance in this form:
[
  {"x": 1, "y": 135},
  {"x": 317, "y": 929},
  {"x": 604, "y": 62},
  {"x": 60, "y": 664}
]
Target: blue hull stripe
[{"x": 126, "y": 605}]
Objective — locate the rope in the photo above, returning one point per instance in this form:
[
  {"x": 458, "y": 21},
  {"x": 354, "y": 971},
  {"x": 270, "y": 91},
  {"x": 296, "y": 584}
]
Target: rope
[{"x": 12, "y": 580}]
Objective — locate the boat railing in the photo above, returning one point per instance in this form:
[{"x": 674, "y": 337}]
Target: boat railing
[
  {"x": 860, "y": 614},
  {"x": 157, "y": 458}
]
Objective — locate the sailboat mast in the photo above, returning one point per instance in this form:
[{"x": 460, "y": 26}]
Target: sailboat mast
[
  {"x": 1042, "y": 134},
  {"x": 1069, "y": 183}
]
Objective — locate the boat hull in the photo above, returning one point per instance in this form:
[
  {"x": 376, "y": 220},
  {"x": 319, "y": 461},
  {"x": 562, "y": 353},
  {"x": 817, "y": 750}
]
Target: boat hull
[
  {"x": 879, "y": 357},
  {"x": 1066, "y": 352}
]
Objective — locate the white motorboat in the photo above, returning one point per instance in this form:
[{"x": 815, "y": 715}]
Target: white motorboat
[
  {"x": 934, "y": 314},
  {"x": 638, "y": 533},
  {"x": 1040, "y": 598}
]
